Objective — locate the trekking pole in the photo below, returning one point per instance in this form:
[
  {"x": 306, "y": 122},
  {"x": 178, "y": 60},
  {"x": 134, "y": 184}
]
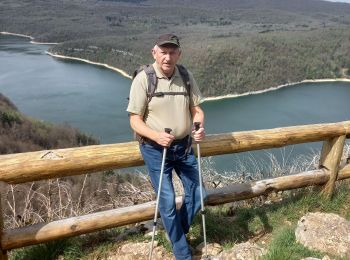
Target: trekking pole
[
  {"x": 167, "y": 130},
  {"x": 196, "y": 126}
]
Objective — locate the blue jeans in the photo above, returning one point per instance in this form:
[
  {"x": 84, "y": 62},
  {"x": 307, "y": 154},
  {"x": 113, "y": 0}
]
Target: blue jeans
[{"x": 176, "y": 223}]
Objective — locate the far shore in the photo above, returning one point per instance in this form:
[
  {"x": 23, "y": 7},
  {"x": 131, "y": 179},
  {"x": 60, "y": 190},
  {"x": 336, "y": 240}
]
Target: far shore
[
  {"x": 275, "y": 88},
  {"x": 28, "y": 36},
  {"x": 122, "y": 72},
  {"x": 125, "y": 74}
]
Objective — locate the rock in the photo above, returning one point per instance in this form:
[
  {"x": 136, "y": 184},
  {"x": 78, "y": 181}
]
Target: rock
[
  {"x": 243, "y": 251},
  {"x": 128, "y": 232},
  {"x": 326, "y": 257},
  {"x": 324, "y": 232},
  {"x": 140, "y": 251},
  {"x": 147, "y": 227},
  {"x": 150, "y": 234},
  {"x": 213, "y": 249}
]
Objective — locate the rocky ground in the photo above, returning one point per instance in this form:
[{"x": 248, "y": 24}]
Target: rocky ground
[{"x": 324, "y": 232}]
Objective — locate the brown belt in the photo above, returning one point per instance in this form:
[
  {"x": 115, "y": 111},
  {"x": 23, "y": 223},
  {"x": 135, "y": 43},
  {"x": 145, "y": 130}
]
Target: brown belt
[{"x": 176, "y": 141}]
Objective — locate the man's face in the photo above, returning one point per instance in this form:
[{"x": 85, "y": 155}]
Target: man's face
[{"x": 166, "y": 57}]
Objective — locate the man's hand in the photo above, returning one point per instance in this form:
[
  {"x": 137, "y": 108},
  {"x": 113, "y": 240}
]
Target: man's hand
[
  {"x": 198, "y": 135},
  {"x": 164, "y": 139}
]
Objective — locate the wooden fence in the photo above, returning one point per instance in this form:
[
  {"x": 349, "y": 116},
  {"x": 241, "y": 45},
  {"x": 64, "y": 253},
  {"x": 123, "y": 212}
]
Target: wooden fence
[{"x": 33, "y": 166}]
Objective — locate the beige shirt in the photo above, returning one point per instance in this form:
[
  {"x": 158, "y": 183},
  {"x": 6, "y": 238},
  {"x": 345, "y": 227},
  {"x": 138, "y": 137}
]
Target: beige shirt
[{"x": 168, "y": 111}]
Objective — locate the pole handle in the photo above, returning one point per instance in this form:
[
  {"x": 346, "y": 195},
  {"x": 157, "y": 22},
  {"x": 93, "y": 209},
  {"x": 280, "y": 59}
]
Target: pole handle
[
  {"x": 167, "y": 130},
  {"x": 197, "y": 125}
]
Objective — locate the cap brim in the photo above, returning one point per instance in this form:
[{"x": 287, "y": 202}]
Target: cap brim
[{"x": 168, "y": 43}]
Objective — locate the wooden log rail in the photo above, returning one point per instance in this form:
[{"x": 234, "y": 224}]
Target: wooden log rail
[
  {"x": 73, "y": 161},
  {"x": 44, "y": 232},
  {"x": 67, "y": 162},
  {"x": 331, "y": 154}
]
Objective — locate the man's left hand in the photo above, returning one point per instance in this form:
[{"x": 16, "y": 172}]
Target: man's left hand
[{"x": 198, "y": 135}]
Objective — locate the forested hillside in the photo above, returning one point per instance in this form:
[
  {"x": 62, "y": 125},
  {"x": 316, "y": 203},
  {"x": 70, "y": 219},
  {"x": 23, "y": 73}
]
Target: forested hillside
[{"x": 231, "y": 46}]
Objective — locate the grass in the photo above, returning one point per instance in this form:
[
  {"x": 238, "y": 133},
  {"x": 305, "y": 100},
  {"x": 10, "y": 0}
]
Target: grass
[
  {"x": 90, "y": 246},
  {"x": 284, "y": 246},
  {"x": 69, "y": 248}
]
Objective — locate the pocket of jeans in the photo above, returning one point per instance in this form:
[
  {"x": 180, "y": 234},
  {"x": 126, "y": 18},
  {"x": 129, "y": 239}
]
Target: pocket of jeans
[{"x": 151, "y": 146}]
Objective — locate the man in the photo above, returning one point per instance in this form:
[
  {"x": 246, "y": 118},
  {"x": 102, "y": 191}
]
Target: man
[{"x": 178, "y": 112}]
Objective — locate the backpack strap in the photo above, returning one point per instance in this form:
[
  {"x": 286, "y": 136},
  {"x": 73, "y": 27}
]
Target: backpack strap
[
  {"x": 137, "y": 72},
  {"x": 161, "y": 94},
  {"x": 185, "y": 78},
  {"x": 152, "y": 81}
]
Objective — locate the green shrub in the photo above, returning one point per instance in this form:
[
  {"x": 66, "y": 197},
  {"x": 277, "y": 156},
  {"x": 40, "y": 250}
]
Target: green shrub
[{"x": 10, "y": 117}]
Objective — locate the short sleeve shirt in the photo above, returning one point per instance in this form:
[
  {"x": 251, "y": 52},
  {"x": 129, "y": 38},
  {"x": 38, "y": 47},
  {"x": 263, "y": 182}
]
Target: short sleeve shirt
[{"x": 168, "y": 111}]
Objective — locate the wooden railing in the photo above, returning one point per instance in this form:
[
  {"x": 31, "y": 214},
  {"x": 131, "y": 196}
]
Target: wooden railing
[{"x": 32, "y": 166}]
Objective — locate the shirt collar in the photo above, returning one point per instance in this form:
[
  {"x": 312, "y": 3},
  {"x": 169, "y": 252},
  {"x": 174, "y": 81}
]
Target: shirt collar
[{"x": 160, "y": 74}]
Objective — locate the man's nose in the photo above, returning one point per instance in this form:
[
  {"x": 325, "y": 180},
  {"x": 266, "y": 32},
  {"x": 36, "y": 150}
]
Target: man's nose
[{"x": 167, "y": 56}]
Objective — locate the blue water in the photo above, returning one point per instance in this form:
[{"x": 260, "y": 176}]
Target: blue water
[
  {"x": 94, "y": 99},
  {"x": 307, "y": 103},
  {"x": 88, "y": 97}
]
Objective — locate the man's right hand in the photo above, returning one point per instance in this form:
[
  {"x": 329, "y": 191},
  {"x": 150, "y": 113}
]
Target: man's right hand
[
  {"x": 164, "y": 139},
  {"x": 138, "y": 125}
]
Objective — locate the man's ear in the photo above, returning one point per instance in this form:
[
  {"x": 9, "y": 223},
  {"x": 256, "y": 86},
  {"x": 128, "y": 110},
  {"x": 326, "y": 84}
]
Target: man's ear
[{"x": 153, "y": 53}]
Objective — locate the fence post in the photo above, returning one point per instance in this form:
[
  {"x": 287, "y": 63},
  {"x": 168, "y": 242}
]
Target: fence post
[
  {"x": 3, "y": 253},
  {"x": 332, "y": 151}
]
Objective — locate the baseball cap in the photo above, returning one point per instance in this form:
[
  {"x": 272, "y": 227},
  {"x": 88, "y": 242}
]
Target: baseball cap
[{"x": 168, "y": 38}]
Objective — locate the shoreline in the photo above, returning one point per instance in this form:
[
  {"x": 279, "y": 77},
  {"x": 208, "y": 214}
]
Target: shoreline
[
  {"x": 206, "y": 99},
  {"x": 120, "y": 71},
  {"x": 30, "y": 37},
  {"x": 274, "y": 88}
]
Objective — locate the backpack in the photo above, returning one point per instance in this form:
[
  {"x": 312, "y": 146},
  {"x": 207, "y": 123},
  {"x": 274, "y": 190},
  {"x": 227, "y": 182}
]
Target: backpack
[{"x": 153, "y": 80}]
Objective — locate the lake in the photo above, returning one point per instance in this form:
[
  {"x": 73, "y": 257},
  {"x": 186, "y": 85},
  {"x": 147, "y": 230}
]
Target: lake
[{"x": 94, "y": 100}]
